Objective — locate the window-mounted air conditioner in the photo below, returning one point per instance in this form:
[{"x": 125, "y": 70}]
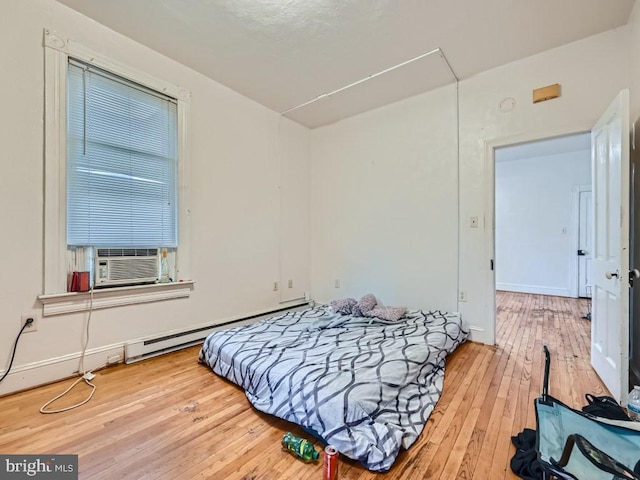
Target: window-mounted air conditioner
[{"x": 126, "y": 266}]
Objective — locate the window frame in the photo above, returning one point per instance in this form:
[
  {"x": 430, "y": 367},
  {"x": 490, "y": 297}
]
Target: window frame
[{"x": 56, "y": 263}]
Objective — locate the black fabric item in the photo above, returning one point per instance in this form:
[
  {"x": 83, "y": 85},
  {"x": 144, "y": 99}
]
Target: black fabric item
[
  {"x": 525, "y": 440},
  {"x": 605, "y": 407},
  {"x": 524, "y": 462}
]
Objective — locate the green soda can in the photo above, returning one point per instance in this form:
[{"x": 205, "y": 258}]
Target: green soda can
[{"x": 301, "y": 447}]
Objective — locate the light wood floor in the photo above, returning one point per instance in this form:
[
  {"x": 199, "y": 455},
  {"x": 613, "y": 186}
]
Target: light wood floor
[{"x": 170, "y": 418}]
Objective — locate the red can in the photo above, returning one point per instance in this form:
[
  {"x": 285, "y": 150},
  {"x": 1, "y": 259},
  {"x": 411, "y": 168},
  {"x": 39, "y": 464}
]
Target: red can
[{"x": 330, "y": 463}]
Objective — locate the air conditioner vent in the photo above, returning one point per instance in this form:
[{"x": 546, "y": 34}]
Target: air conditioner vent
[
  {"x": 126, "y": 266},
  {"x": 127, "y": 252}
]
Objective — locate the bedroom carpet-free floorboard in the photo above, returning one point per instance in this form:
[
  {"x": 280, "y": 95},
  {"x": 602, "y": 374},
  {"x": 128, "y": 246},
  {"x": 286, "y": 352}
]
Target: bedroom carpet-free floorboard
[{"x": 170, "y": 418}]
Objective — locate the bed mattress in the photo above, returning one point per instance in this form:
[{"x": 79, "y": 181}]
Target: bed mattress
[{"x": 363, "y": 385}]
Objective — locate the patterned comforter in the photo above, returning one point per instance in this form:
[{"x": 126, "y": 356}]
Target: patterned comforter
[{"x": 363, "y": 385}]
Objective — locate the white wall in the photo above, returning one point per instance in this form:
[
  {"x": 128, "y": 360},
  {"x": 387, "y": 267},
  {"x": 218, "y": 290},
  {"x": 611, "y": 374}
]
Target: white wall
[
  {"x": 535, "y": 222},
  {"x": 384, "y": 184},
  {"x": 384, "y": 204},
  {"x": 241, "y": 213}
]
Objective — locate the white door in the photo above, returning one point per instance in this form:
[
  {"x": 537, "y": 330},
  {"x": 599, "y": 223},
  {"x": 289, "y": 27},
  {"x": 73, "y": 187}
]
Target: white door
[
  {"x": 585, "y": 237},
  {"x": 610, "y": 292}
]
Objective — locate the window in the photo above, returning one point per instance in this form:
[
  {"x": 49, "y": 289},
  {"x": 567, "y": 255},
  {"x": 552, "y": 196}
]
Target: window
[
  {"x": 121, "y": 162},
  {"x": 115, "y": 167}
]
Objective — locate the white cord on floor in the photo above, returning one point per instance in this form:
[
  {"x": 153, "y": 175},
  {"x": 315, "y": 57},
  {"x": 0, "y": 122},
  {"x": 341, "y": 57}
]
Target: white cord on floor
[
  {"x": 86, "y": 376},
  {"x": 60, "y": 410}
]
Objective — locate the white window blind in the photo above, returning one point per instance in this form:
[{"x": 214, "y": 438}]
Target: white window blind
[{"x": 121, "y": 162}]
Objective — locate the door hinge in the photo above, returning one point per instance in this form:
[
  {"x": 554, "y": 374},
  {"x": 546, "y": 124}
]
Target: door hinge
[{"x": 492, "y": 264}]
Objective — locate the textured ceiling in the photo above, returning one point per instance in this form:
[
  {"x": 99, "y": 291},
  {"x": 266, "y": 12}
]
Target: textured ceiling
[{"x": 282, "y": 53}]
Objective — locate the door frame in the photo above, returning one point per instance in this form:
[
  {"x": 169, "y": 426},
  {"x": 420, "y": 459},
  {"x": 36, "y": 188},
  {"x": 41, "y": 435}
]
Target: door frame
[
  {"x": 490, "y": 207},
  {"x": 575, "y": 278}
]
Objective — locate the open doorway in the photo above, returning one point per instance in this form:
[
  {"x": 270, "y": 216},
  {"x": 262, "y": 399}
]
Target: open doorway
[
  {"x": 542, "y": 216},
  {"x": 610, "y": 339}
]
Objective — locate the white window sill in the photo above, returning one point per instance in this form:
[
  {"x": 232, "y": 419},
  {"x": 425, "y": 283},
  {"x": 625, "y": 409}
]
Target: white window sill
[{"x": 59, "y": 303}]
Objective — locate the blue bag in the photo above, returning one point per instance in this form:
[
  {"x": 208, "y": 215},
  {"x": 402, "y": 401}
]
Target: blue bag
[{"x": 575, "y": 445}]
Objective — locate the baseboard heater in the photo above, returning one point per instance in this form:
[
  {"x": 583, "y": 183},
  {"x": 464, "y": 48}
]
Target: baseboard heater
[{"x": 137, "y": 350}]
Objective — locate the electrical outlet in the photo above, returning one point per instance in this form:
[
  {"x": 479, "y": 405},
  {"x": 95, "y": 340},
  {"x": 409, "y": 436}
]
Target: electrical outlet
[
  {"x": 337, "y": 284},
  {"x": 462, "y": 295},
  {"x": 290, "y": 283},
  {"x": 32, "y": 327},
  {"x": 275, "y": 286}
]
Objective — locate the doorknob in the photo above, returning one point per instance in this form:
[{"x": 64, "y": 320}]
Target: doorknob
[
  {"x": 610, "y": 275},
  {"x": 582, "y": 253},
  {"x": 633, "y": 274}
]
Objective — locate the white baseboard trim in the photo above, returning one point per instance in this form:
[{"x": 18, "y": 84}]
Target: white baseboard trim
[
  {"x": 479, "y": 335},
  {"x": 54, "y": 369},
  {"x": 536, "y": 289},
  {"x": 33, "y": 374}
]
